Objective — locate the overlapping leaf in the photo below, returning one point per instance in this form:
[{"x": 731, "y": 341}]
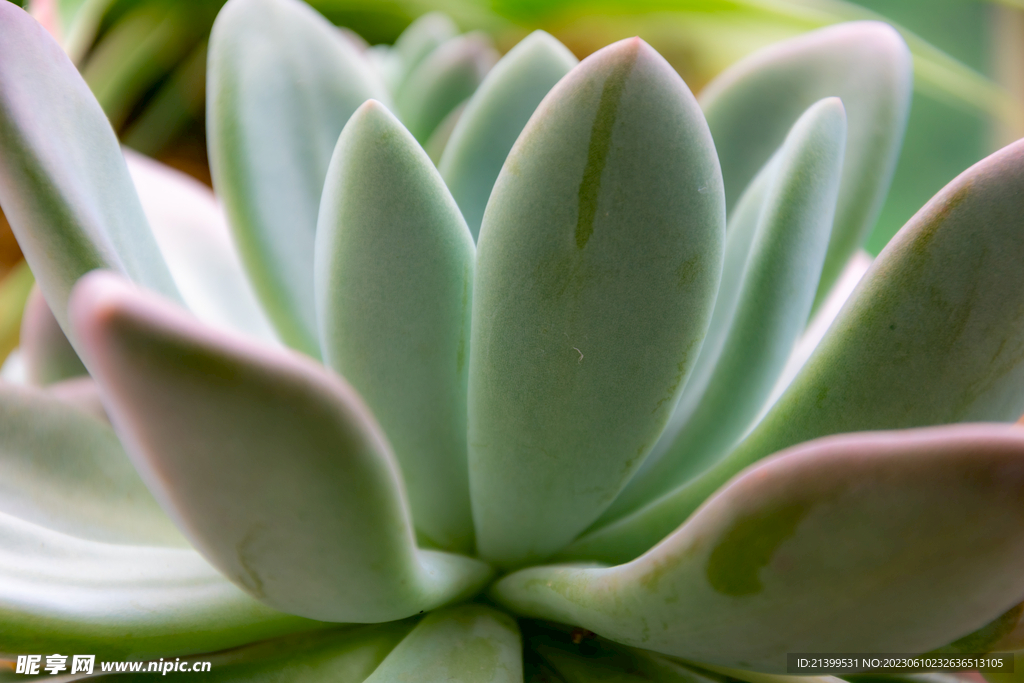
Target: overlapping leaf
[
  {"x": 441, "y": 81},
  {"x": 64, "y": 594},
  {"x": 282, "y": 84},
  {"x": 64, "y": 186},
  {"x": 394, "y": 276},
  {"x": 774, "y": 254},
  {"x": 933, "y": 334},
  {"x": 751, "y": 106},
  {"x": 272, "y": 467},
  {"x": 494, "y": 118},
  {"x": 762, "y": 555},
  {"x": 465, "y": 644},
  {"x": 65, "y": 470},
  {"x": 598, "y": 262}
]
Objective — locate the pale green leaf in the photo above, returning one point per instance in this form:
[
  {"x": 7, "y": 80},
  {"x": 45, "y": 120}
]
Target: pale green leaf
[
  {"x": 419, "y": 39},
  {"x": 465, "y": 644},
  {"x": 933, "y": 334},
  {"x": 760, "y": 315},
  {"x": 193, "y": 235},
  {"x": 752, "y": 105},
  {"x": 64, "y": 186},
  {"x": 394, "y": 276},
  {"x": 852, "y": 543},
  {"x": 65, "y": 594},
  {"x": 271, "y": 465},
  {"x": 598, "y": 262},
  {"x": 64, "y": 469},
  {"x": 282, "y": 83},
  {"x": 441, "y": 81},
  {"x": 495, "y": 116}
]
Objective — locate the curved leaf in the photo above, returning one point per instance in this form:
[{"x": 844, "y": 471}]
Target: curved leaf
[
  {"x": 495, "y": 116},
  {"x": 849, "y": 543},
  {"x": 193, "y": 235},
  {"x": 465, "y": 644},
  {"x": 598, "y": 262},
  {"x": 394, "y": 274},
  {"x": 272, "y": 466},
  {"x": 66, "y": 470},
  {"x": 751, "y": 106},
  {"x": 63, "y": 182},
  {"x": 441, "y": 81},
  {"x": 933, "y": 334},
  {"x": 48, "y": 355},
  {"x": 59, "y": 593},
  {"x": 759, "y": 319},
  {"x": 346, "y": 655},
  {"x": 420, "y": 38},
  {"x": 281, "y": 83}
]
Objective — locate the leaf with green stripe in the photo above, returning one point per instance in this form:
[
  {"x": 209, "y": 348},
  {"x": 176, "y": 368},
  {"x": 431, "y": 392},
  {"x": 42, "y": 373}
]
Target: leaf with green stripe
[
  {"x": 933, "y": 334},
  {"x": 597, "y": 266},
  {"x": 852, "y": 542},
  {"x": 760, "y": 315}
]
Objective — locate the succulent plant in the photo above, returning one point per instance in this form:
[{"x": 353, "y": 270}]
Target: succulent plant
[{"x": 522, "y": 414}]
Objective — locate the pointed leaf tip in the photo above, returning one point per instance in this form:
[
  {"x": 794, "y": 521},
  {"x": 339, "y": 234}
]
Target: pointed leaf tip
[
  {"x": 751, "y": 106},
  {"x": 598, "y": 260},
  {"x": 259, "y": 455},
  {"x": 495, "y": 116},
  {"x": 393, "y": 274}
]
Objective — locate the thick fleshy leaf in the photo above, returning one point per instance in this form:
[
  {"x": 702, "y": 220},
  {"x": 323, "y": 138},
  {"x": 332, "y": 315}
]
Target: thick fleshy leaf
[
  {"x": 65, "y": 470},
  {"x": 48, "y": 355},
  {"x": 751, "y": 106},
  {"x": 196, "y": 242},
  {"x": 495, "y": 116},
  {"x": 346, "y": 655},
  {"x": 419, "y": 39},
  {"x": 841, "y": 544},
  {"x": 761, "y": 310},
  {"x": 65, "y": 594},
  {"x": 282, "y": 83},
  {"x": 272, "y": 466},
  {"x": 63, "y": 182},
  {"x": 465, "y": 644},
  {"x": 394, "y": 276},
  {"x": 934, "y": 334},
  {"x": 449, "y": 75},
  {"x": 598, "y": 262}
]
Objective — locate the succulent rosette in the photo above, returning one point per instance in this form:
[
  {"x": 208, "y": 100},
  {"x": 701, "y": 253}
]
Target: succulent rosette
[{"x": 550, "y": 408}]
